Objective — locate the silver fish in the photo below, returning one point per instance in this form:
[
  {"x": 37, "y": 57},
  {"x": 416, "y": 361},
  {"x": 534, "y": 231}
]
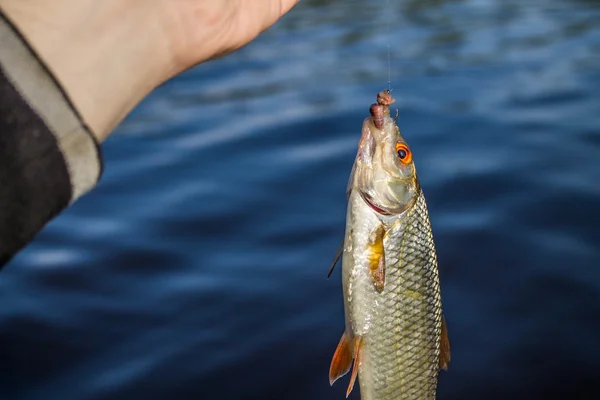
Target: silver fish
[{"x": 395, "y": 339}]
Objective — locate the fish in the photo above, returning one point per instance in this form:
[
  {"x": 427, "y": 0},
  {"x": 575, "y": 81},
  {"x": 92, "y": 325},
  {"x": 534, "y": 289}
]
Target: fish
[{"x": 395, "y": 339}]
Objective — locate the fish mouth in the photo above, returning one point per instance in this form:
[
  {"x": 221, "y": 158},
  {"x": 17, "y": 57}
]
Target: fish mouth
[
  {"x": 398, "y": 206},
  {"x": 377, "y": 208}
]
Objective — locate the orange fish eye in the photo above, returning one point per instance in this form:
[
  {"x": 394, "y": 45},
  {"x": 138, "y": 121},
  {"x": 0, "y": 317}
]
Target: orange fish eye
[{"x": 404, "y": 153}]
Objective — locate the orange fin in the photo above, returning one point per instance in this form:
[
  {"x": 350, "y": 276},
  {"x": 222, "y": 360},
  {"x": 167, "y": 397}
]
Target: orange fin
[
  {"x": 379, "y": 275},
  {"x": 342, "y": 359},
  {"x": 357, "y": 348},
  {"x": 377, "y": 258},
  {"x": 444, "y": 346}
]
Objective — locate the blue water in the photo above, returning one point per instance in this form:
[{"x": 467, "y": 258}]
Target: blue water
[{"x": 197, "y": 268}]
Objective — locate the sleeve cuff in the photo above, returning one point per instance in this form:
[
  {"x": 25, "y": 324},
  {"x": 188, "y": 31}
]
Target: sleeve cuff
[
  {"x": 38, "y": 87},
  {"x": 48, "y": 156}
]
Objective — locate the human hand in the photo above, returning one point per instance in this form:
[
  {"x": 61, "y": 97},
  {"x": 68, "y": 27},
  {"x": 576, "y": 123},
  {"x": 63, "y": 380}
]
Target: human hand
[
  {"x": 200, "y": 30},
  {"x": 110, "y": 54}
]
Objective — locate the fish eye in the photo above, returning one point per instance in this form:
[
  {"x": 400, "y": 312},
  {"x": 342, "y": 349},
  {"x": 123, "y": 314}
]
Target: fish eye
[{"x": 404, "y": 153}]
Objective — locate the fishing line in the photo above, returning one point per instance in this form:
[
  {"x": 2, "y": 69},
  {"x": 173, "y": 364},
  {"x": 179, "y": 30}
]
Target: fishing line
[
  {"x": 389, "y": 68},
  {"x": 389, "y": 49},
  {"x": 389, "y": 22}
]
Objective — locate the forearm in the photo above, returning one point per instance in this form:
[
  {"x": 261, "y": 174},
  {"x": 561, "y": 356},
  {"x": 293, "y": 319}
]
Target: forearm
[
  {"x": 71, "y": 70},
  {"x": 107, "y": 55}
]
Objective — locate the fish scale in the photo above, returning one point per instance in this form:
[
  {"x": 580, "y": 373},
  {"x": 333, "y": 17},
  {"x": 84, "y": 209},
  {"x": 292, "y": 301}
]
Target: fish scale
[{"x": 404, "y": 349}]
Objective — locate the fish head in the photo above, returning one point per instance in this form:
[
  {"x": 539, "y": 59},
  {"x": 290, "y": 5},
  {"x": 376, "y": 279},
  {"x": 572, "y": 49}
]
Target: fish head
[{"x": 384, "y": 172}]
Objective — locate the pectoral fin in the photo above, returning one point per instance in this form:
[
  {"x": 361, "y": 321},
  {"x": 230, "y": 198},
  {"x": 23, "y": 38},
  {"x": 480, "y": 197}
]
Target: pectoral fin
[
  {"x": 377, "y": 258},
  {"x": 444, "y": 346}
]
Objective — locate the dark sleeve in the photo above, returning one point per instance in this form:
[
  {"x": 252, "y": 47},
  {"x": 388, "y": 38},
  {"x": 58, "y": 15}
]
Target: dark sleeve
[{"x": 48, "y": 156}]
